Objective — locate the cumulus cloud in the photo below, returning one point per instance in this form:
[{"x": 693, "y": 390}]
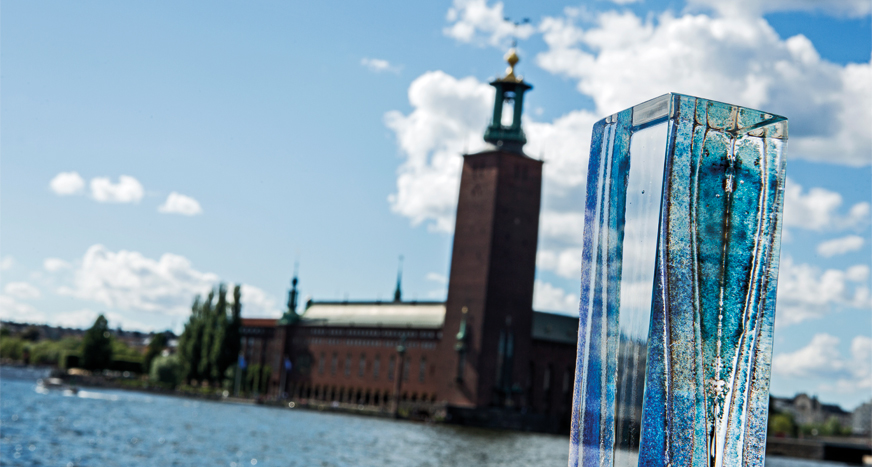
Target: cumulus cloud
[
  {"x": 818, "y": 209},
  {"x": 821, "y": 360},
  {"x": 6, "y": 263},
  {"x": 855, "y": 8},
  {"x": 78, "y": 319},
  {"x": 622, "y": 60},
  {"x": 547, "y": 297},
  {"x": 805, "y": 292},
  {"x": 567, "y": 227},
  {"x": 127, "y": 190},
  {"x": 21, "y": 290},
  {"x": 129, "y": 281},
  {"x": 840, "y": 246},
  {"x": 449, "y": 116},
  {"x": 377, "y": 65},
  {"x": 67, "y": 183},
  {"x": 473, "y": 21},
  {"x": 256, "y": 303},
  {"x": 565, "y": 262},
  {"x": 13, "y": 310},
  {"x": 177, "y": 203},
  {"x": 438, "y": 278},
  {"x": 55, "y": 264}
]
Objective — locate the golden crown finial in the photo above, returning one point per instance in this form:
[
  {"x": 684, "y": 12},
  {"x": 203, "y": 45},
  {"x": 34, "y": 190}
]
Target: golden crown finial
[{"x": 512, "y": 58}]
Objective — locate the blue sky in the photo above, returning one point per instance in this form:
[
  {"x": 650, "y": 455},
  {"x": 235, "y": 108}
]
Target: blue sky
[{"x": 250, "y": 135}]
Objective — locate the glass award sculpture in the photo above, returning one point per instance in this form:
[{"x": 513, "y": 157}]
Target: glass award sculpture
[{"x": 682, "y": 234}]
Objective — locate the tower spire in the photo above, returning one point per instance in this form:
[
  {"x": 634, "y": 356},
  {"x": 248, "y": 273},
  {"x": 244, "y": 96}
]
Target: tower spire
[
  {"x": 398, "y": 294},
  {"x": 510, "y": 89},
  {"x": 290, "y": 315}
]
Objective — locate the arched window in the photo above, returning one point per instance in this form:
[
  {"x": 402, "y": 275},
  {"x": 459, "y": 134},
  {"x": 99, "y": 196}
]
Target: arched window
[
  {"x": 375, "y": 366},
  {"x": 423, "y": 369}
]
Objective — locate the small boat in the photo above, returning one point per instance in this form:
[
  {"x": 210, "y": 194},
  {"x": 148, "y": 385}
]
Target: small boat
[{"x": 45, "y": 384}]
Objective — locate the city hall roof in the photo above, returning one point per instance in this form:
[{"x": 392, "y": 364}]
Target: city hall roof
[
  {"x": 554, "y": 327},
  {"x": 375, "y": 314}
]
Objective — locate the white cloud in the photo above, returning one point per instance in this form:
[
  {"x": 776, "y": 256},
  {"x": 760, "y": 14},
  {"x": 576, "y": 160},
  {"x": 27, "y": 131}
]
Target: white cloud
[
  {"x": 21, "y": 290},
  {"x": 258, "y": 304},
  {"x": 805, "y": 292},
  {"x": 6, "y": 263},
  {"x": 127, "y": 280},
  {"x": 377, "y": 65},
  {"x": 840, "y": 246},
  {"x": 84, "y": 319},
  {"x": 438, "y": 278},
  {"x": 564, "y": 145},
  {"x": 78, "y": 319},
  {"x": 127, "y": 190},
  {"x": 55, "y": 264},
  {"x": 473, "y": 21},
  {"x": 566, "y": 262},
  {"x": 13, "y": 310},
  {"x": 177, "y": 203},
  {"x": 818, "y": 209},
  {"x": 623, "y": 60},
  {"x": 547, "y": 297},
  {"x": 449, "y": 117},
  {"x": 67, "y": 183},
  {"x": 821, "y": 360},
  {"x": 854, "y": 8},
  {"x": 567, "y": 227}
]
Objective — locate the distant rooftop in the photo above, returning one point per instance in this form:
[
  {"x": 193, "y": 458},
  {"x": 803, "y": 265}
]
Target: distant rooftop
[
  {"x": 551, "y": 327},
  {"x": 375, "y": 314},
  {"x": 555, "y": 327}
]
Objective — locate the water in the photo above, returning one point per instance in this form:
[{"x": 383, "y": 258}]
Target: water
[{"x": 122, "y": 428}]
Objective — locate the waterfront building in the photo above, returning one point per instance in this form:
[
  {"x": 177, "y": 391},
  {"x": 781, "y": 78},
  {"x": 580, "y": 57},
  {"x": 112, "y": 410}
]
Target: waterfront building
[
  {"x": 483, "y": 356},
  {"x": 861, "y": 419},
  {"x": 808, "y": 410}
]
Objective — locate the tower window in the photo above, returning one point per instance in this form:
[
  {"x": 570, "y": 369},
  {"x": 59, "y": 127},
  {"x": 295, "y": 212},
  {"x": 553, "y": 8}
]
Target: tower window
[
  {"x": 362, "y": 368},
  {"x": 334, "y": 363},
  {"x": 423, "y": 370},
  {"x": 348, "y": 365},
  {"x": 546, "y": 385},
  {"x": 375, "y": 366},
  {"x": 391, "y": 368}
]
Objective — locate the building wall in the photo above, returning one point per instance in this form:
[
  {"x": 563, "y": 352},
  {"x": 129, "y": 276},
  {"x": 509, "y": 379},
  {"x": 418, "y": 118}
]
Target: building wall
[
  {"x": 361, "y": 365},
  {"x": 493, "y": 266},
  {"x": 550, "y": 373}
]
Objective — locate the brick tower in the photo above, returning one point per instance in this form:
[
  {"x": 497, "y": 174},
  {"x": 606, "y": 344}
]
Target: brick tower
[{"x": 485, "y": 352}]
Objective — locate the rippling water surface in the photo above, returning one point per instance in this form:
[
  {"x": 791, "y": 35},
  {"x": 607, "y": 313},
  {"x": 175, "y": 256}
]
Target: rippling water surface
[{"x": 122, "y": 428}]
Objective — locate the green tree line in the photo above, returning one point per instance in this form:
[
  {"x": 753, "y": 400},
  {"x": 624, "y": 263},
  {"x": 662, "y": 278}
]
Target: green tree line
[
  {"x": 96, "y": 350},
  {"x": 209, "y": 345}
]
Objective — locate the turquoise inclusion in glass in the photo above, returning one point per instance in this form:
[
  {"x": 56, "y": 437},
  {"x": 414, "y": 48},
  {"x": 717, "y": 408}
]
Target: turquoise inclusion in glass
[{"x": 681, "y": 245}]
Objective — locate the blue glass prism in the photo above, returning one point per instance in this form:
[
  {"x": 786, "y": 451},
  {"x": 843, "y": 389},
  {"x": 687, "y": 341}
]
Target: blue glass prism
[{"x": 682, "y": 235}]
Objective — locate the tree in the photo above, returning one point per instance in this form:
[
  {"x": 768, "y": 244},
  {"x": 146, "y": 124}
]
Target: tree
[
  {"x": 189, "y": 343},
  {"x": 210, "y": 342},
  {"x": 155, "y": 347},
  {"x": 97, "y": 346},
  {"x": 207, "y": 325},
  {"x": 166, "y": 371},
  {"x": 226, "y": 349}
]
